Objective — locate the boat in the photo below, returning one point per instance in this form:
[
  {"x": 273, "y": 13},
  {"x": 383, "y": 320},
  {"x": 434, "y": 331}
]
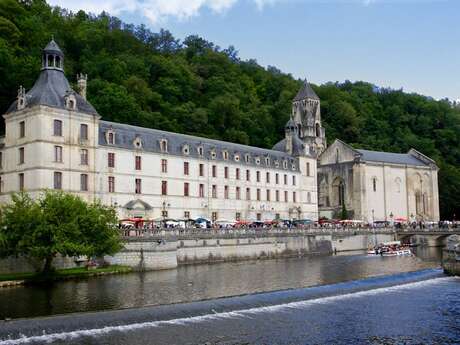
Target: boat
[{"x": 393, "y": 248}]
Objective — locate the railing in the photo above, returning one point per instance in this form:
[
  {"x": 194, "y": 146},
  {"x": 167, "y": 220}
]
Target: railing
[{"x": 274, "y": 231}]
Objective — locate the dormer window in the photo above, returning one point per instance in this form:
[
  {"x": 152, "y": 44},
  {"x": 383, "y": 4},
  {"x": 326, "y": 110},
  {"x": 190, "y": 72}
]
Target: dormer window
[
  {"x": 186, "y": 149},
  {"x": 293, "y": 166},
  {"x": 137, "y": 143},
  {"x": 70, "y": 101},
  {"x": 277, "y": 164},
  {"x": 267, "y": 161},
  {"x": 164, "y": 145},
  {"x": 213, "y": 154},
  {"x": 285, "y": 164},
  {"x": 200, "y": 151},
  {"x": 225, "y": 154},
  {"x": 257, "y": 160},
  {"x": 110, "y": 137},
  {"x": 237, "y": 158},
  {"x": 247, "y": 157}
]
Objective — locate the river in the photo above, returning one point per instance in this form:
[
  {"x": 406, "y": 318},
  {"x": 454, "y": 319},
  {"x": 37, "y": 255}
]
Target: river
[{"x": 343, "y": 299}]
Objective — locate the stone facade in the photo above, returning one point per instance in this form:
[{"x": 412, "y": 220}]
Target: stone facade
[
  {"x": 377, "y": 186},
  {"x": 55, "y": 139}
]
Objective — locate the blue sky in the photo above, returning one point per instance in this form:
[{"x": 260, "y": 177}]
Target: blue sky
[{"x": 409, "y": 44}]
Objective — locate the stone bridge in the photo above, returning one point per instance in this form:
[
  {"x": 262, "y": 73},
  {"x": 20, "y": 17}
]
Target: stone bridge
[{"x": 435, "y": 237}]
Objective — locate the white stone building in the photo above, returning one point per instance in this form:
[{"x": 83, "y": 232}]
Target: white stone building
[
  {"x": 377, "y": 186},
  {"x": 56, "y": 140}
]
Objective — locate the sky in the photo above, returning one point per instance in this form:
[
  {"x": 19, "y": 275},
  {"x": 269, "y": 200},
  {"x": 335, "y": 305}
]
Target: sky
[{"x": 408, "y": 44}]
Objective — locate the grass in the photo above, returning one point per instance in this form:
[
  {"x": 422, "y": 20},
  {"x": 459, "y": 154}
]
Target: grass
[{"x": 63, "y": 274}]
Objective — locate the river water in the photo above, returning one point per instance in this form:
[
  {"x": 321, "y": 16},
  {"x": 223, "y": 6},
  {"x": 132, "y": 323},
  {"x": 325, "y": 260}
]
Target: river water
[{"x": 344, "y": 299}]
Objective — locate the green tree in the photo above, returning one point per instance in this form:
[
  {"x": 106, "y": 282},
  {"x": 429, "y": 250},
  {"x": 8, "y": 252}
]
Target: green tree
[{"x": 56, "y": 223}]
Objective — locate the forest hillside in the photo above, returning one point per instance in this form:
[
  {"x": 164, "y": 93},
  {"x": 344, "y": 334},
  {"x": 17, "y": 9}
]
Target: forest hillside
[{"x": 192, "y": 86}]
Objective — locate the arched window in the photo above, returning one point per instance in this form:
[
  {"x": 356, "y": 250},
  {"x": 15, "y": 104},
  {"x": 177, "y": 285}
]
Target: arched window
[
  {"x": 164, "y": 145},
  {"x": 318, "y": 130}
]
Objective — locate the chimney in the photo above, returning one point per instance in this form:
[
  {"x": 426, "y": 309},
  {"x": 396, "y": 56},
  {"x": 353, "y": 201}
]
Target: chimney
[{"x": 81, "y": 80}]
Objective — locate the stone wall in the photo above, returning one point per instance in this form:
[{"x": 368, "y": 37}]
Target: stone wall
[{"x": 23, "y": 265}]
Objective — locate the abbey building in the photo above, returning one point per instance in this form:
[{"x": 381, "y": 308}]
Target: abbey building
[{"x": 55, "y": 139}]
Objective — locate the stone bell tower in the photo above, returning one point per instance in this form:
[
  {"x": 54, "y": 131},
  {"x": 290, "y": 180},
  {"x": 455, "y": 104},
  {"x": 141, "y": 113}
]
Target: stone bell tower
[{"x": 306, "y": 114}]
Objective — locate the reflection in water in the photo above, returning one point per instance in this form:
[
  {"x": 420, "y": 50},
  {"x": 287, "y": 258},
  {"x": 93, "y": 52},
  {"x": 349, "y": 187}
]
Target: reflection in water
[{"x": 198, "y": 282}]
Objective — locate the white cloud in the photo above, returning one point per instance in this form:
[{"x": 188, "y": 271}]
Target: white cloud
[{"x": 155, "y": 10}]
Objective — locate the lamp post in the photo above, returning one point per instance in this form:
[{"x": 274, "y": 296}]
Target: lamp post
[{"x": 373, "y": 228}]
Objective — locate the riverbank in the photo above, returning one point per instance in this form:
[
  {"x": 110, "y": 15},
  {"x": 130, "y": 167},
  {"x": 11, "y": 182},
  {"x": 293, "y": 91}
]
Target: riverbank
[{"x": 60, "y": 274}]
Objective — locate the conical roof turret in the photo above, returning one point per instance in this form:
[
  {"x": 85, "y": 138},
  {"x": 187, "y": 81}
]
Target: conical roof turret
[{"x": 306, "y": 92}]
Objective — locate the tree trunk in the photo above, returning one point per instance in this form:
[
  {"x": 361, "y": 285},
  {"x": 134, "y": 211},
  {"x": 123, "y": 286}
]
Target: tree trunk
[{"x": 47, "y": 268}]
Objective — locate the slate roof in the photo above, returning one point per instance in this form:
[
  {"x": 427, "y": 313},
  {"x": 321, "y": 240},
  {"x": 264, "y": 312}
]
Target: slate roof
[
  {"x": 125, "y": 136},
  {"x": 389, "y": 157},
  {"x": 53, "y": 48},
  {"x": 50, "y": 89},
  {"x": 306, "y": 92},
  {"x": 297, "y": 146}
]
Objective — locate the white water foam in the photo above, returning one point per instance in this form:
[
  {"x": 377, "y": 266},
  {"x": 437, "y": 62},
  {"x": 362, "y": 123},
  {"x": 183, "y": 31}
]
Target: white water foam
[{"x": 49, "y": 338}]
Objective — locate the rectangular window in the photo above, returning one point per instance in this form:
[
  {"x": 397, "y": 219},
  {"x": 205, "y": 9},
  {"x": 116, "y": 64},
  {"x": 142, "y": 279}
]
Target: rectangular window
[
  {"x": 111, "y": 184},
  {"x": 293, "y": 180},
  {"x": 258, "y": 194},
  {"x": 248, "y": 175},
  {"x": 277, "y": 178},
  {"x": 138, "y": 186},
  {"x": 83, "y": 182},
  {"x": 214, "y": 216},
  {"x": 237, "y": 173},
  {"x": 22, "y": 129},
  {"x": 277, "y": 195},
  {"x": 111, "y": 138},
  {"x": 164, "y": 214},
  {"x": 286, "y": 199},
  {"x": 214, "y": 191},
  {"x": 294, "y": 197},
  {"x": 226, "y": 172},
  {"x": 21, "y": 181},
  {"x": 248, "y": 193},
  {"x": 226, "y": 192},
  {"x": 84, "y": 157},
  {"x": 186, "y": 168},
  {"x": 111, "y": 160},
  {"x": 138, "y": 164},
  {"x": 1, "y": 160},
  {"x": 308, "y": 169},
  {"x": 21, "y": 155},
  {"x": 201, "y": 190},
  {"x": 57, "y": 128},
  {"x": 285, "y": 179},
  {"x": 201, "y": 169},
  {"x": 57, "y": 180},
  {"x": 164, "y": 166},
  {"x": 214, "y": 171},
  {"x": 258, "y": 176},
  {"x": 238, "y": 193},
  {"x": 164, "y": 187},
  {"x": 259, "y": 216},
  {"x": 268, "y": 194},
  {"x": 186, "y": 214},
  {"x": 268, "y": 177},
  {"x": 58, "y": 154},
  {"x": 186, "y": 189},
  {"x": 83, "y": 132}
]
